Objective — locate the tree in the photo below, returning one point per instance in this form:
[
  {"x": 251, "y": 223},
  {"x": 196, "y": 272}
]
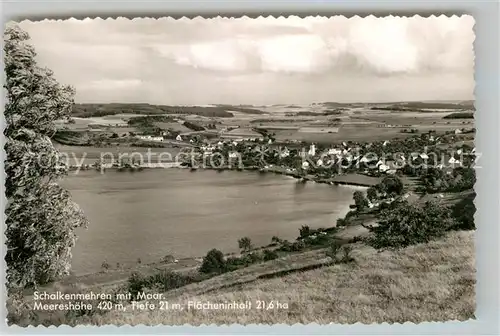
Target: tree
[
  {"x": 245, "y": 244},
  {"x": 275, "y": 240},
  {"x": 304, "y": 231},
  {"x": 213, "y": 262},
  {"x": 392, "y": 185},
  {"x": 360, "y": 200},
  {"x": 371, "y": 193},
  {"x": 40, "y": 215}
]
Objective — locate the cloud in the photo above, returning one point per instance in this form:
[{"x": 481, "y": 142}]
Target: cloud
[
  {"x": 383, "y": 46},
  {"x": 165, "y": 59},
  {"x": 379, "y": 45}
]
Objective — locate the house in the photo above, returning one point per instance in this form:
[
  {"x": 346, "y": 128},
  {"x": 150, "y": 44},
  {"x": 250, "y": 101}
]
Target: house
[
  {"x": 150, "y": 138},
  {"x": 383, "y": 168},
  {"x": 284, "y": 153},
  {"x": 424, "y": 156},
  {"x": 178, "y": 138},
  {"x": 334, "y": 151},
  {"x": 458, "y": 131}
]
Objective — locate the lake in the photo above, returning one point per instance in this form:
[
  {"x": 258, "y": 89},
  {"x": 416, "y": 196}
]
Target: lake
[{"x": 156, "y": 212}]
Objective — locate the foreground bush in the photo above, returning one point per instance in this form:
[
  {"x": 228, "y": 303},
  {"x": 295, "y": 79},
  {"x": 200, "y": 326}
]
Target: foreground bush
[
  {"x": 270, "y": 255},
  {"x": 406, "y": 224},
  {"x": 213, "y": 262},
  {"x": 463, "y": 213}
]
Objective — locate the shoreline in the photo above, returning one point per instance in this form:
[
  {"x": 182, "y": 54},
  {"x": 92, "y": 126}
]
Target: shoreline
[{"x": 349, "y": 179}]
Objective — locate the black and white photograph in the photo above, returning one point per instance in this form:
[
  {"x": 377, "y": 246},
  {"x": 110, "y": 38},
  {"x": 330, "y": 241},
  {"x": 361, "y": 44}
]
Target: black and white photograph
[{"x": 240, "y": 170}]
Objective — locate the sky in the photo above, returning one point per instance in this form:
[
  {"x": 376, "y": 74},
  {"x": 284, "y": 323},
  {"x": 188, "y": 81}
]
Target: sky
[{"x": 259, "y": 61}]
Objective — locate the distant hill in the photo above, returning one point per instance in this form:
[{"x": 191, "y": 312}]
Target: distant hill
[
  {"x": 424, "y": 106},
  {"x": 241, "y": 108},
  {"x": 225, "y": 111},
  {"x": 460, "y": 115},
  {"x": 100, "y": 110}
]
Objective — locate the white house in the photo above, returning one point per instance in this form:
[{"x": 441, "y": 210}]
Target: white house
[
  {"x": 385, "y": 143},
  {"x": 150, "y": 138},
  {"x": 305, "y": 165},
  {"x": 178, "y": 138},
  {"x": 383, "y": 168},
  {"x": 424, "y": 156},
  {"x": 458, "y": 131},
  {"x": 319, "y": 163},
  {"x": 334, "y": 151}
]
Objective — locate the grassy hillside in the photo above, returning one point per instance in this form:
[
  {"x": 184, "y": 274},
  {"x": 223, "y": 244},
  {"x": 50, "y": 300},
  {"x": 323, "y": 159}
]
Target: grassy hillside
[{"x": 425, "y": 282}]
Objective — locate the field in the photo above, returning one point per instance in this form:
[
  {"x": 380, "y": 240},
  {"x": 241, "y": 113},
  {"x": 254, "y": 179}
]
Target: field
[
  {"x": 425, "y": 282},
  {"x": 320, "y": 123}
]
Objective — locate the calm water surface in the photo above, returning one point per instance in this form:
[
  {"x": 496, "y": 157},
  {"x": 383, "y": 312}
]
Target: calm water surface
[{"x": 156, "y": 212}]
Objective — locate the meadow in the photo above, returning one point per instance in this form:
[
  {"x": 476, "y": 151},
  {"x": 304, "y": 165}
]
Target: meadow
[{"x": 425, "y": 282}]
